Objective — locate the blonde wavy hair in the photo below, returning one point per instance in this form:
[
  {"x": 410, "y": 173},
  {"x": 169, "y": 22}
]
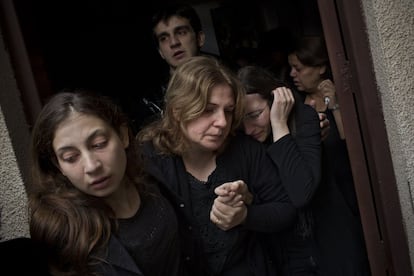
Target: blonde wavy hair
[{"x": 187, "y": 96}]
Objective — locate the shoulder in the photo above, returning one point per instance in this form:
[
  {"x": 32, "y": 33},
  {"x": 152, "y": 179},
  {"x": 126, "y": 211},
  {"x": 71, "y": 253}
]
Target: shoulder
[
  {"x": 305, "y": 112},
  {"x": 242, "y": 145},
  {"x": 242, "y": 140},
  {"x": 147, "y": 149}
]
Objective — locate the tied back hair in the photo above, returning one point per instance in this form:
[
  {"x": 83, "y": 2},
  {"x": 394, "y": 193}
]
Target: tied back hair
[
  {"x": 311, "y": 51},
  {"x": 74, "y": 226}
]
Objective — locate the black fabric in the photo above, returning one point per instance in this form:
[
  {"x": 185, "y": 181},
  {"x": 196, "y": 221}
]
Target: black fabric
[
  {"x": 271, "y": 210},
  {"x": 24, "y": 257},
  {"x": 336, "y": 244},
  {"x": 118, "y": 262},
  {"x": 223, "y": 249},
  {"x": 338, "y": 230},
  {"x": 298, "y": 158},
  {"x": 147, "y": 243},
  {"x": 144, "y": 107},
  {"x": 150, "y": 237}
]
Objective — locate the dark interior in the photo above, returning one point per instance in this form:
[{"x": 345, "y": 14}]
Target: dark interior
[{"x": 107, "y": 45}]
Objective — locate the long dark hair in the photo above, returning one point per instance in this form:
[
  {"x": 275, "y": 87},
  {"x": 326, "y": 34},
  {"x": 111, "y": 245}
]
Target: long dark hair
[{"x": 74, "y": 226}]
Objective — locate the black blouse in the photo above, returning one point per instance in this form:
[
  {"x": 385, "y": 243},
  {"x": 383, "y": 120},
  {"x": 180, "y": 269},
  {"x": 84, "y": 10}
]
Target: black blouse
[
  {"x": 151, "y": 237},
  {"x": 271, "y": 211}
]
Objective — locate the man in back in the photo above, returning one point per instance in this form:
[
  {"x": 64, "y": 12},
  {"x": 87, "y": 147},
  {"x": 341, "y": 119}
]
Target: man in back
[{"x": 178, "y": 35}]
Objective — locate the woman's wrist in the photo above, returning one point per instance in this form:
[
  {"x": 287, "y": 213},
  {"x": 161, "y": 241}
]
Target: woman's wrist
[{"x": 331, "y": 103}]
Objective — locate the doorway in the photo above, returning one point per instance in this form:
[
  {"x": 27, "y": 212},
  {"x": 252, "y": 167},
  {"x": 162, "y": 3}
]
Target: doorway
[{"x": 96, "y": 43}]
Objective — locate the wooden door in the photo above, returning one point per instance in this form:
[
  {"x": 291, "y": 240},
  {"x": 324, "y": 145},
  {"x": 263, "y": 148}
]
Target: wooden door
[{"x": 367, "y": 142}]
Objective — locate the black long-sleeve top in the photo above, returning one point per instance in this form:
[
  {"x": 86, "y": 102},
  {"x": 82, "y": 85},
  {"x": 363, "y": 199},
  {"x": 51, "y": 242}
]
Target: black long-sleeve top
[
  {"x": 271, "y": 210},
  {"x": 298, "y": 157}
]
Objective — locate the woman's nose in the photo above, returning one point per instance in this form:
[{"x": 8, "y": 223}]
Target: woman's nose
[
  {"x": 221, "y": 119},
  {"x": 91, "y": 163}
]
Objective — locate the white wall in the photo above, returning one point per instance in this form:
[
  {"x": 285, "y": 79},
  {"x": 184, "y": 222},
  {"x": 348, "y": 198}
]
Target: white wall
[
  {"x": 13, "y": 200},
  {"x": 390, "y": 26}
]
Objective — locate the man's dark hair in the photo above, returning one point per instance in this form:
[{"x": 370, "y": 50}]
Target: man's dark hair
[{"x": 181, "y": 10}]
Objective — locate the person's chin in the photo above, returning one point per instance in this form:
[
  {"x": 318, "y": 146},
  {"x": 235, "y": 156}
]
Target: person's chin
[
  {"x": 298, "y": 86},
  {"x": 214, "y": 145},
  {"x": 259, "y": 137}
]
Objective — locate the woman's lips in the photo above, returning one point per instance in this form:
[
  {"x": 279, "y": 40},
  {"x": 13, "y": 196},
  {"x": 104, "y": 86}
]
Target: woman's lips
[{"x": 100, "y": 183}]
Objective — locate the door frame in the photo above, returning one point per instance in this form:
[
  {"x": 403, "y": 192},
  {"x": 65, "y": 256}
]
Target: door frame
[{"x": 368, "y": 146}]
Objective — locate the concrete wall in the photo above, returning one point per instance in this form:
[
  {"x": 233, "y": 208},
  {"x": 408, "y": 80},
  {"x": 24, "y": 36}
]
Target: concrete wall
[
  {"x": 390, "y": 26},
  {"x": 13, "y": 207}
]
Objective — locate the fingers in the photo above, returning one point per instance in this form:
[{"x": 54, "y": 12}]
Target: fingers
[
  {"x": 228, "y": 208},
  {"x": 324, "y": 125},
  {"x": 226, "y": 217},
  {"x": 230, "y": 188},
  {"x": 283, "y": 95},
  {"x": 282, "y": 105},
  {"x": 238, "y": 186},
  {"x": 312, "y": 103},
  {"x": 231, "y": 200},
  {"x": 327, "y": 88},
  {"x": 325, "y": 84},
  {"x": 234, "y": 192},
  {"x": 217, "y": 216},
  {"x": 223, "y": 211}
]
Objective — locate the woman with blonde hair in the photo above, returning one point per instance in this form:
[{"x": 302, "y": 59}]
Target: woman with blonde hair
[{"x": 226, "y": 191}]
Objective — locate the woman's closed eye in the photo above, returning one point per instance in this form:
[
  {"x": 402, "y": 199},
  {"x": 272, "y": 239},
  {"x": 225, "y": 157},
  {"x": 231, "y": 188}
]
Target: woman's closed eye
[
  {"x": 99, "y": 145},
  {"x": 69, "y": 157},
  {"x": 254, "y": 114}
]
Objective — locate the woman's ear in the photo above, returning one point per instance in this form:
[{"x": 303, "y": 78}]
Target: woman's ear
[{"x": 124, "y": 136}]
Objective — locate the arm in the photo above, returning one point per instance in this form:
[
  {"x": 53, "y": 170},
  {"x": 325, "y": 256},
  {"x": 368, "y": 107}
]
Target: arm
[
  {"x": 270, "y": 209},
  {"x": 299, "y": 159},
  {"x": 323, "y": 121},
  {"x": 229, "y": 208}
]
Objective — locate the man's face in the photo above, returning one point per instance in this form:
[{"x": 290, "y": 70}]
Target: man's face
[{"x": 177, "y": 40}]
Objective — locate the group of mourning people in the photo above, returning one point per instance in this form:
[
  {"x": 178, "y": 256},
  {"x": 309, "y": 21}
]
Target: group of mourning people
[{"x": 234, "y": 173}]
